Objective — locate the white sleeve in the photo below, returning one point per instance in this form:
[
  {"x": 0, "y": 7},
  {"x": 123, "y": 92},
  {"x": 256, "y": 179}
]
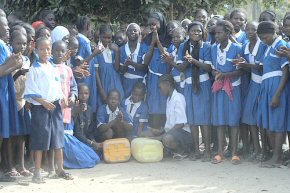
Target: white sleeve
[
  {"x": 31, "y": 86},
  {"x": 180, "y": 111}
]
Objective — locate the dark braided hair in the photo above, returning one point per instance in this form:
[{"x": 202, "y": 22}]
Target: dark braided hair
[
  {"x": 195, "y": 54},
  {"x": 82, "y": 22},
  {"x": 227, "y": 26},
  {"x": 105, "y": 28},
  {"x": 235, "y": 11},
  {"x": 269, "y": 12},
  {"x": 167, "y": 78}
]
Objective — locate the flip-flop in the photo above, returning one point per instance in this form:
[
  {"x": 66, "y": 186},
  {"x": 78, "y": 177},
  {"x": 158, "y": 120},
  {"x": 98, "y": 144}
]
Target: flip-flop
[
  {"x": 217, "y": 159},
  {"x": 179, "y": 157},
  {"x": 12, "y": 174},
  {"x": 52, "y": 175},
  {"x": 25, "y": 173},
  {"x": 64, "y": 175},
  {"x": 236, "y": 160}
]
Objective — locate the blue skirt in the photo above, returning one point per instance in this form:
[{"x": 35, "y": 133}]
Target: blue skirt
[
  {"x": 189, "y": 105},
  {"x": 288, "y": 112},
  {"x": 226, "y": 111},
  {"x": 77, "y": 155},
  {"x": 250, "y": 104},
  {"x": 24, "y": 122},
  {"x": 8, "y": 107},
  {"x": 273, "y": 119},
  {"x": 202, "y": 104},
  {"x": 156, "y": 102}
]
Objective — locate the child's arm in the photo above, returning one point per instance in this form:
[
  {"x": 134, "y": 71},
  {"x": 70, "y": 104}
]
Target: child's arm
[
  {"x": 73, "y": 91},
  {"x": 276, "y": 98},
  {"x": 116, "y": 49},
  {"x": 45, "y": 103},
  {"x": 99, "y": 85},
  {"x": 12, "y": 63},
  {"x": 149, "y": 54},
  {"x": 233, "y": 74},
  {"x": 99, "y": 49}
]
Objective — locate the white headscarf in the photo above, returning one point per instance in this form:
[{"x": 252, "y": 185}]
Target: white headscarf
[
  {"x": 138, "y": 27},
  {"x": 58, "y": 33}
]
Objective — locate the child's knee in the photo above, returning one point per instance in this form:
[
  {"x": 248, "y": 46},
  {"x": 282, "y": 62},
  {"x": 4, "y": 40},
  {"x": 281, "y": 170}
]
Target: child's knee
[{"x": 169, "y": 141}]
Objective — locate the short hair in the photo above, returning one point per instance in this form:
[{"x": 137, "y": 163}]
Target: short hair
[
  {"x": 114, "y": 91},
  {"x": 227, "y": 26},
  {"x": 271, "y": 13},
  {"x": 167, "y": 78},
  {"x": 105, "y": 28},
  {"x": 56, "y": 43},
  {"x": 238, "y": 10},
  {"x": 39, "y": 40},
  {"x": 140, "y": 85},
  {"x": 83, "y": 85},
  {"x": 266, "y": 27},
  {"x": 197, "y": 23},
  {"x": 82, "y": 22}
]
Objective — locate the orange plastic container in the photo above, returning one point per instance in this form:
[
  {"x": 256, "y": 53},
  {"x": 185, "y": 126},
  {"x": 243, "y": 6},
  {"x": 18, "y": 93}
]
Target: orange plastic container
[{"x": 116, "y": 150}]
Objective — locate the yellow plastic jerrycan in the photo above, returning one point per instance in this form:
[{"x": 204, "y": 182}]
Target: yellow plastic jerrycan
[
  {"x": 116, "y": 150},
  {"x": 147, "y": 150}
]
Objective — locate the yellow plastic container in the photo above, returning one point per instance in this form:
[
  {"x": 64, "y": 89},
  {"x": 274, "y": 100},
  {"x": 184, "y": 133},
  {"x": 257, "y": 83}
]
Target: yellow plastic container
[
  {"x": 147, "y": 150},
  {"x": 116, "y": 150}
]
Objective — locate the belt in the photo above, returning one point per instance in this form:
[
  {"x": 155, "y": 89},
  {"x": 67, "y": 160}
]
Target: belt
[
  {"x": 156, "y": 73},
  {"x": 271, "y": 74},
  {"x": 132, "y": 76},
  {"x": 202, "y": 78},
  {"x": 237, "y": 82},
  {"x": 256, "y": 78}
]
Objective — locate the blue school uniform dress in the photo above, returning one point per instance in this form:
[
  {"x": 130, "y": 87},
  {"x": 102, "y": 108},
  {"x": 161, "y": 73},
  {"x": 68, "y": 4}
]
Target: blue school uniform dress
[
  {"x": 47, "y": 128},
  {"x": 198, "y": 105},
  {"x": 155, "y": 100},
  {"x": 8, "y": 107},
  {"x": 76, "y": 154},
  {"x": 224, "y": 110},
  {"x": 110, "y": 78},
  {"x": 178, "y": 76},
  {"x": 133, "y": 75},
  {"x": 250, "y": 104},
  {"x": 241, "y": 37},
  {"x": 24, "y": 116},
  {"x": 138, "y": 113},
  {"x": 273, "y": 119},
  {"x": 105, "y": 115}
]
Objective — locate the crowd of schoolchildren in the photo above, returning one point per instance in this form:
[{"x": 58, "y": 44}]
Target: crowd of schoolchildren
[{"x": 64, "y": 91}]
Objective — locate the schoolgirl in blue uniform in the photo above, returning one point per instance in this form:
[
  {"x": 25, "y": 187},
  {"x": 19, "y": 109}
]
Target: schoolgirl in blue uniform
[
  {"x": 178, "y": 35},
  {"x": 137, "y": 109},
  {"x": 238, "y": 18},
  {"x": 252, "y": 56},
  {"x": 106, "y": 66},
  {"x": 113, "y": 120},
  {"x": 273, "y": 99},
  {"x": 18, "y": 42},
  {"x": 195, "y": 57},
  {"x": 131, "y": 59},
  {"x": 8, "y": 106},
  {"x": 43, "y": 90},
  {"x": 226, "y": 106},
  {"x": 157, "y": 42}
]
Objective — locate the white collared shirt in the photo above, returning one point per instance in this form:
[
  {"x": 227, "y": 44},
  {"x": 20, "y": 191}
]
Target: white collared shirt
[
  {"x": 112, "y": 115},
  {"x": 128, "y": 104},
  {"x": 222, "y": 55},
  {"x": 254, "y": 52},
  {"x": 175, "y": 111}
]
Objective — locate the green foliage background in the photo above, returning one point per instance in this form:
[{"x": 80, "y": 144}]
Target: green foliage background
[{"x": 124, "y": 10}]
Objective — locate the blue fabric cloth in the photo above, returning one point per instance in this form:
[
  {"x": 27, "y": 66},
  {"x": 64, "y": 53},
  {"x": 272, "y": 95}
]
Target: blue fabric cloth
[
  {"x": 156, "y": 102},
  {"x": 273, "y": 119},
  {"x": 128, "y": 83},
  {"x": 141, "y": 115},
  {"x": 224, "y": 110},
  {"x": 110, "y": 78},
  {"x": 24, "y": 122},
  {"x": 250, "y": 103},
  {"x": 198, "y": 105},
  {"x": 8, "y": 108},
  {"x": 242, "y": 39},
  {"x": 77, "y": 155}
]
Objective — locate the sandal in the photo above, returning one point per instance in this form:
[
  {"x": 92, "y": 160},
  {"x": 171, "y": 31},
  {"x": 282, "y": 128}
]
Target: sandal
[
  {"x": 236, "y": 160},
  {"x": 217, "y": 159},
  {"x": 194, "y": 156},
  {"x": 52, "y": 175},
  {"x": 38, "y": 180},
  {"x": 12, "y": 174},
  {"x": 179, "y": 157},
  {"x": 64, "y": 175},
  {"x": 25, "y": 173}
]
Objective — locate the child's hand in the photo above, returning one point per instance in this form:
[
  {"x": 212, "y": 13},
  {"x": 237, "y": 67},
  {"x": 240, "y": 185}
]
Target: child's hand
[
  {"x": 71, "y": 101},
  {"x": 67, "y": 56},
  {"x": 114, "y": 47},
  {"x": 97, "y": 146},
  {"x": 15, "y": 60},
  {"x": 83, "y": 107},
  {"x": 275, "y": 102},
  {"x": 155, "y": 37},
  {"x": 48, "y": 105},
  {"x": 99, "y": 49},
  {"x": 64, "y": 102},
  {"x": 219, "y": 76},
  {"x": 119, "y": 116},
  {"x": 28, "y": 106},
  {"x": 283, "y": 52},
  {"x": 128, "y": 61},
  {"x": 168, "y": 59}
]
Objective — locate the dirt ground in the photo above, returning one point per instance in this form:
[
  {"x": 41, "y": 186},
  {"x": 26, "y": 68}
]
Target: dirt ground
[{"x": 167, "y": 176}]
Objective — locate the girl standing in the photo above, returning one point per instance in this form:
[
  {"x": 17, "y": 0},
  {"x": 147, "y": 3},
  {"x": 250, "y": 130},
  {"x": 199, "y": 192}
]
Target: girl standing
[
  {"x": 196, "y": 60},
  {"x": 131, "y": 59},
  {"x": 226, "y": 106},
  {"x": 273, "y": 99},
  {"x": 106, "y": 64},
  {"x": 157, "y": 42}
]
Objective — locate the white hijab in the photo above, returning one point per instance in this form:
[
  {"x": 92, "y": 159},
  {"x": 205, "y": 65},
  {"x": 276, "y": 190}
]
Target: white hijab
[{"x": 58, "y": 33}]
